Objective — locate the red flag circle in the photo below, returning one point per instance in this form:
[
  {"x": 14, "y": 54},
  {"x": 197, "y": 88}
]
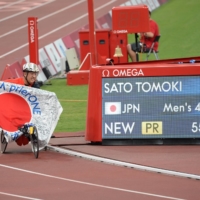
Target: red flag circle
[
  {"x": 113, "y": 108},
  {"x": 14, "y": 112}
]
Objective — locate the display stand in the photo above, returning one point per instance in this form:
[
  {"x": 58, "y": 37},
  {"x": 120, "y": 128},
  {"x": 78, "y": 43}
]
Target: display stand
[{"x": 131, "y": 19}]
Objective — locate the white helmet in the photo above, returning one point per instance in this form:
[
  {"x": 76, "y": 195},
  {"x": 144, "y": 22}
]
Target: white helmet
[{"x": 30, "y": 67}]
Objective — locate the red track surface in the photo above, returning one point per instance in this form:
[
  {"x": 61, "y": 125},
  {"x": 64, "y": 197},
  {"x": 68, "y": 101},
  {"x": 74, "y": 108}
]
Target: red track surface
[
  {"x": 14, "y": 42},
  {"x": 58, "y": 176}
]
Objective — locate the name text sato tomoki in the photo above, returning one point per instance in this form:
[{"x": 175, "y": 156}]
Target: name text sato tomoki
[{"x": 127, "y": 87}]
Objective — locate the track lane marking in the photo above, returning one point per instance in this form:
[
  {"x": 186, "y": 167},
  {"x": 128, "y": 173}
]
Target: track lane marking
[
  {"x": 91, "y": 184},
  {"x": 123, "y": 164},
  {"x": 23, "y": 197},
  {"x": 42, "y": 18},
  {"x": 11, "y": 16},
  {"x": 55, "y": 30},
  {"x": 10, "y": 4}
]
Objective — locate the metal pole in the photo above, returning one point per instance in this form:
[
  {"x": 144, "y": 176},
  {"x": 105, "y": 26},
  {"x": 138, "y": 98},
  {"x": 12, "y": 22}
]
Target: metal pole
[
  {"x": 92, "y": 33},
  {"x": 136, "y": 42}
]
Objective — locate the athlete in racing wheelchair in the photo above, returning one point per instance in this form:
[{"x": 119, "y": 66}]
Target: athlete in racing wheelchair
[{"x": 30, "y": 73}]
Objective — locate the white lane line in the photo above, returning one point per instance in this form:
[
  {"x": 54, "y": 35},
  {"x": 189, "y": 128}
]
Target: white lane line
[
  {"x": 61, "y": 10},
  {"x": 10, "y": 4},
  {"x": 91, "y": 184},
  {"x": 22, "y": 197},
  {"x": 49, "y": 33},
  {"x": 11, "y": 16},
  {"x": 16, "y": 49},
  {"x": 63, "y": 26},
  {"x": 42, "y": 18},
  {"x": 78, "y": 18},
  {"x": 124, "y": 164}
]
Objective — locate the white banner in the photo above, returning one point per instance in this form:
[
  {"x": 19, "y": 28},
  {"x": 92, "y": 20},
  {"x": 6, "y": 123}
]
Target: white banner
[
  {"x": 54, "y": 56},
  {"x": 21, "y": 105},
  {"x": 61, "y": 48}
]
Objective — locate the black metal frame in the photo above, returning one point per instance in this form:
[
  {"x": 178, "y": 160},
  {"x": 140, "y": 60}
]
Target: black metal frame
[{"x": 151, "y": 50}]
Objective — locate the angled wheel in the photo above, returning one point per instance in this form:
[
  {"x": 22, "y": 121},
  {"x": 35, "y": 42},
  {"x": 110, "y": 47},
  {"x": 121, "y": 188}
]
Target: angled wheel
[
  {"x": 3, "y": 143},
  {"x": 34, "y": 141}
]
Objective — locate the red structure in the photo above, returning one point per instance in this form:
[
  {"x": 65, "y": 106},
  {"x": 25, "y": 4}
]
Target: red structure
[
  {"x": 91, "y": 58},
  {"x": 33, "y": 39},
  {"x": 102, "y": 45},
  {"x": 150, "y": 101},
  {"x": 102, "y": 76},
  {"x": 13, "y": 70},
  {"x": 106, "y": 43},
  {"x": 78, "y": 77},
  {"x": 130, "y": 19},
  {"x": 121, "y": 41}
]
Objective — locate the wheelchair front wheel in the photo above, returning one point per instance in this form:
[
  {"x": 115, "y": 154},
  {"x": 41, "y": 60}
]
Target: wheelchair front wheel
[
  {"x": 35, "y": 142},
  {"x": 3, "y": 142}
]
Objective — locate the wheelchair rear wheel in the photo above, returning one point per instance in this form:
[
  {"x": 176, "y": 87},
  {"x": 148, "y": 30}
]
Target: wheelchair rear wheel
[
  {"x": 3, "y": 142},
  {"x": 35, "y": 142}
]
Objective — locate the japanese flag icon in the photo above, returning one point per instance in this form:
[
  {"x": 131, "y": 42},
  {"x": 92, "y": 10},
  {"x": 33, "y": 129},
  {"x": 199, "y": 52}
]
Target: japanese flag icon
[{"x": 112, "y": 108}]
